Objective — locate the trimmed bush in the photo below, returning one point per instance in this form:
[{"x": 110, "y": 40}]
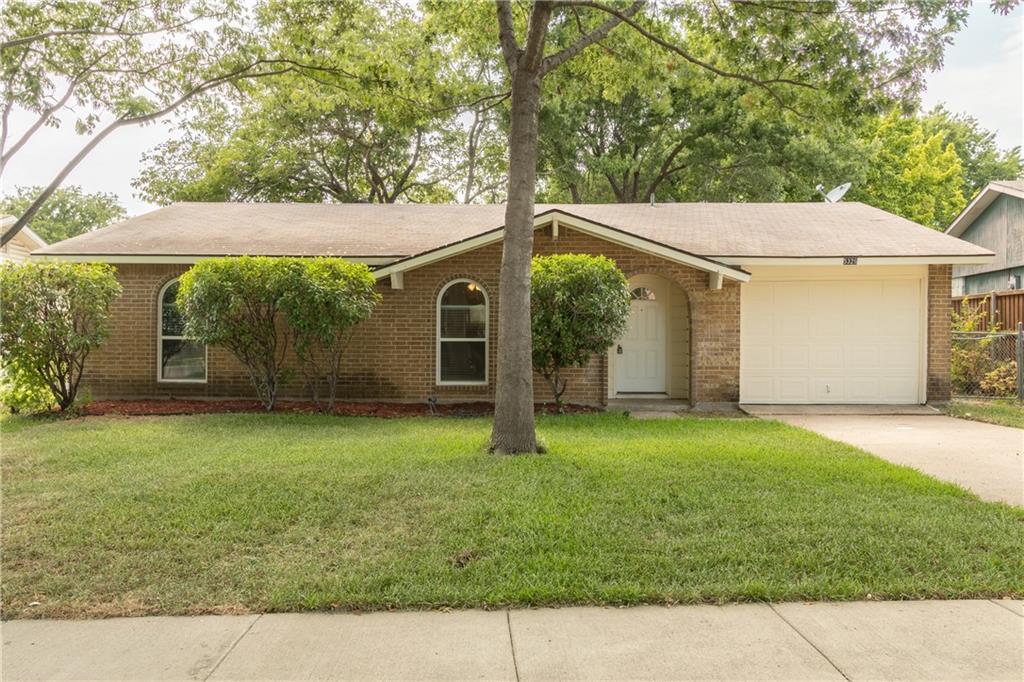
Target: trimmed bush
[
  {"x": 579, "y": 307},
  {"x": 235, "y": 302},
  {"x": 324, "y": 300},
  {"x": 52, "y": 315},
  {"x": 256, "y": 307}
]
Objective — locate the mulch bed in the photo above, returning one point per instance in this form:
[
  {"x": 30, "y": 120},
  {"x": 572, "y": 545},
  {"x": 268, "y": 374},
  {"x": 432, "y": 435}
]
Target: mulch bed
[{"x": 385, "y": 410}]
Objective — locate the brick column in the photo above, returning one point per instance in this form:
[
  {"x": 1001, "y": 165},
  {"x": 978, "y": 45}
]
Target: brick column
[{"x": 940, "y": 304}]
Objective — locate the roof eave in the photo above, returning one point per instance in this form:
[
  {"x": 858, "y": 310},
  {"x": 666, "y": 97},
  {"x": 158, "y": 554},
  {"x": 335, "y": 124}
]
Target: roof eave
[
  {"x": 187, "y": 259},
  {"x": 978, "y": 205},
  {"x": 963, "y": 259}
]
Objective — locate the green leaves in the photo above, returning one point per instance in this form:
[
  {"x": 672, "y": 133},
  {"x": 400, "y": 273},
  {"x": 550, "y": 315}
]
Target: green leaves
[
  {"x": 324, "y": 300},
  {"x": 254, "y": 306},
  {"x": 911, "y": 173},
  {"x": 67, "y": 213},
  {"x": 579, "y": 307},
  {"x": 52, "y": 315},
  {"x": 235, "y": 302}
]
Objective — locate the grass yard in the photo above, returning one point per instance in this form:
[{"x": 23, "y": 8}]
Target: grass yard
[
  {"x": 232, "y": 513},
  {"x": 993, "y": 411}
]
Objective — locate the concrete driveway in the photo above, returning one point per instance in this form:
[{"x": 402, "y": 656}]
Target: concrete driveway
[{"x": 985, "y": 458}]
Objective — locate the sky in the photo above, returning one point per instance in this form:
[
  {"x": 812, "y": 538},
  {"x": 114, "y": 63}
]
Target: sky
[{"x": 983, "y": 75}]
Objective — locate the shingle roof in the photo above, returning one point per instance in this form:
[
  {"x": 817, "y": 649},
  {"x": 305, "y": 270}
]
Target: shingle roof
[{"x": 398, "y": 230}]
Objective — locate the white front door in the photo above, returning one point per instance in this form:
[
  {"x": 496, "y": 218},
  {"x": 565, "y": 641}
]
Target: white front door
[{"x": 640, "y": 354}]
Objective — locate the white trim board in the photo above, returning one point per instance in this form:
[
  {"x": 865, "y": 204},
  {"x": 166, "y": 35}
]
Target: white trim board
[{"x": 753, "y": 261}]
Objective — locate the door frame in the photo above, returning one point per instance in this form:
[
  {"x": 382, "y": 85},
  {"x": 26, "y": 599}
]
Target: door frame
[{"x": 663, "y": 289}]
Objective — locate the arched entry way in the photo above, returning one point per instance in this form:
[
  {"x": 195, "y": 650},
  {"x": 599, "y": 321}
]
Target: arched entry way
[{"x": 652, "y": 358}]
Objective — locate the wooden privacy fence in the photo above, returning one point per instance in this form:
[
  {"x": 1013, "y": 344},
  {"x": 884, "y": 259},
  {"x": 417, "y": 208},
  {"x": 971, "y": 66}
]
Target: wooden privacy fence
[{"x": 1004, "y": 308}]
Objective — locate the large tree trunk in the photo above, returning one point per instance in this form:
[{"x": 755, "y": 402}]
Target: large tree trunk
[{"x": 514, "y": 426}]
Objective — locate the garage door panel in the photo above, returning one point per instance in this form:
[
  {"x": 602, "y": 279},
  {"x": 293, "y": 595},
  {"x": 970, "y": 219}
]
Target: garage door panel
[
  {"x": 793, "y": 389},
  {"x": 898, "y": 356},
  {"x": 826, "y": 357},
  {"x": 795, "y": 323},
  {"x": 900, "y": 389},
  {"x": 792, "y": 356},
  {"x": 760, "y": 324},
  {"x": 760, "y": 389},
  {"x": 758, "y": 357},
  {"x": 863, "y": 389},
  {"x": 829, "y": 389},
  {"x": 863, "y": 357},
  {"x": 831, "y": 341}
]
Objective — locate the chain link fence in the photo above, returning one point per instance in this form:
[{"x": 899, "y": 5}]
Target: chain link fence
[{"x": 986, "y": 364}]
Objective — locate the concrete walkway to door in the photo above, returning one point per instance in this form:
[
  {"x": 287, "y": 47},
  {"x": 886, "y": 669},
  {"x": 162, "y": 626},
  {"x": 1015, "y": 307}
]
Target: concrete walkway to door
[{"x": 984, "y": 458}]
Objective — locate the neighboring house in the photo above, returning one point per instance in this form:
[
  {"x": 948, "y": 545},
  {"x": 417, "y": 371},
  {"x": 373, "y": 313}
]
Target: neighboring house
[
  {"x": 760, "y": 303},
  {"x": 994, "y": 220},
  {"x": 24, "y": 243}
]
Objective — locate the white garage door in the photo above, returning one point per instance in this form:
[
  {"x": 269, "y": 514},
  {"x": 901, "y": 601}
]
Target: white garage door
[{"x": 828, "y": 341}]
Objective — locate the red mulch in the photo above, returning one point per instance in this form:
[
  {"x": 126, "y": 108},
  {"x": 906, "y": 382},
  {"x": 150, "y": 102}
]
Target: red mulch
[{"x": 345, "y": 409}]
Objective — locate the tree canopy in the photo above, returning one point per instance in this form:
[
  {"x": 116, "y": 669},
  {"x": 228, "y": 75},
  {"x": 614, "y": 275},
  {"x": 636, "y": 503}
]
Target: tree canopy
[
  {"x": 69, "y": 212},
  {"x": 624, "y": 122},
  {"x": 120, "y": 63}
]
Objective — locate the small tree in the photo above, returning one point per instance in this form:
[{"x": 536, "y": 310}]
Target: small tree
[
  {"x": 236, "y": 303},
  {"x": 324, "y": 300},
  {"x": 52, "y": 315},
  {"x": 579, "y": 307}
]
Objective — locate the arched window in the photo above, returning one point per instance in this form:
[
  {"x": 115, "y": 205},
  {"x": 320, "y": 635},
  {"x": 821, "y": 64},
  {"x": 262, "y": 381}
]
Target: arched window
[
  {"x": 178, "y": 358},
  {"x": 462, "y": 334},
  {"x": 642, "y": 294}
]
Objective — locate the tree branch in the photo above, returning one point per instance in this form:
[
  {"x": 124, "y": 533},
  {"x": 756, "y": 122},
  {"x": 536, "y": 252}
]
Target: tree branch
[
  {"x": 7, "y": 154},
  {"x": 507, "y": 35},
  {"x": 536, "y": 36},
  {"x": 242, "y": 73},
  {"x": 766, "y": 85},
  {"x": 99, "y": 33},
  {"x": 554, "y": 61}
]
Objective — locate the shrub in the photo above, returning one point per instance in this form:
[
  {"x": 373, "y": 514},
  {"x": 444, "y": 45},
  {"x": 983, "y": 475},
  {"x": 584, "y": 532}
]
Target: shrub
[
  {"x": 323, "y": 302},
  {"x": 1001, "y": 381},
  {"x": 23, "y": 390},
  {"x": 51, "y": 317},
  {"x": 235, "y": 302},
  {"x": 579, "y": 307}
]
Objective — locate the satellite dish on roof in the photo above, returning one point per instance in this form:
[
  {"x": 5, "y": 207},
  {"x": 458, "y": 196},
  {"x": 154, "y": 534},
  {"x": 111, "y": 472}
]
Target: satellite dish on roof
[{"x": 834, "y": 194}]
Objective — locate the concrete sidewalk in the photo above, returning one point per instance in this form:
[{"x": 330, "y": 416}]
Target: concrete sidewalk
[
  {"x": 985, "y": 458},
  {"x": 944, "y": 640}
]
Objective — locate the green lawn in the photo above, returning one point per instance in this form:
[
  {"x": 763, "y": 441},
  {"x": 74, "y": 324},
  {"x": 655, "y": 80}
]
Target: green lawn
[
  {"x": 994, "y": 411},
  {"x": 228, "y": 513}
]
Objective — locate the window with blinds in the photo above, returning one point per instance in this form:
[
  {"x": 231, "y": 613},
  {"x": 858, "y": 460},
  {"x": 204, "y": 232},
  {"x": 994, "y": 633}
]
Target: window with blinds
[{"x": 462, "y": 334}]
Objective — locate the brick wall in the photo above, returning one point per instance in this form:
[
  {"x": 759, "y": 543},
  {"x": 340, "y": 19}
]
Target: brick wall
[
  {"x": 393, "y": 354},
  {"x": 939, "y": 332}
]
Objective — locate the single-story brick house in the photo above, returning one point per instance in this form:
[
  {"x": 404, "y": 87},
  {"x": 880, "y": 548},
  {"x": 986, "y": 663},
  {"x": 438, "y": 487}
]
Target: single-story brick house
[{"x": 759, "y": 303}]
